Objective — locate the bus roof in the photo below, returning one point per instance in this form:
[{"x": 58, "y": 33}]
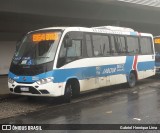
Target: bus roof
[
  {"x": 156, "y": 36},
  {"x": 101, "y": 29}
]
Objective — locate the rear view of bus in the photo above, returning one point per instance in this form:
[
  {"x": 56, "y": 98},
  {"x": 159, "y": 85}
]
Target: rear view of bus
[{"x": 157, "y": 56}]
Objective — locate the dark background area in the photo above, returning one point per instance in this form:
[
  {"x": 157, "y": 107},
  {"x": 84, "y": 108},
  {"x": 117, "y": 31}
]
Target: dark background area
[{"x": 18, "y": 17}]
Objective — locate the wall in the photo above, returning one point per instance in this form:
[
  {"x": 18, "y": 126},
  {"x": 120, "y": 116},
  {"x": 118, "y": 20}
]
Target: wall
[{"x": 6, "y": 53}]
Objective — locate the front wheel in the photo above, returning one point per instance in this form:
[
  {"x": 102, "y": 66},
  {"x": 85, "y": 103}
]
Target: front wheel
[
  {"x": 68, "y": 93},
  {"x": 132, "y": 80}
]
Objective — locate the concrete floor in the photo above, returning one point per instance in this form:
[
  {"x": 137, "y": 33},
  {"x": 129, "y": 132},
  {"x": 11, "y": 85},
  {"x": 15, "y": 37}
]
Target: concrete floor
[{"x": 139, "y": 105}]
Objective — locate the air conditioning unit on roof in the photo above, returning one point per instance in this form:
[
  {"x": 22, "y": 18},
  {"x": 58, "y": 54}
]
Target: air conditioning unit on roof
[{"x": 114, "y": 28}]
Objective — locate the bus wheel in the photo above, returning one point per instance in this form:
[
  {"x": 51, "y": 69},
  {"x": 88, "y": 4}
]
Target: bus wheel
[
  {"x": 132, "y": 80},
  {"x": 68, "y": 93},
  {"x": 76, "y": 89}
]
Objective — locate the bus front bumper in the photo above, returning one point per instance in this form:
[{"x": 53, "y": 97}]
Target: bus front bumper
[{"x": 49, "y": 89}]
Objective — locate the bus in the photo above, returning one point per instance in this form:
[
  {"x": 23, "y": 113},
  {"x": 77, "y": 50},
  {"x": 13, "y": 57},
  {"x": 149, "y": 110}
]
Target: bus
[
  {"x": 157, "y": 54},
  {"x": 66, "y": 61}
]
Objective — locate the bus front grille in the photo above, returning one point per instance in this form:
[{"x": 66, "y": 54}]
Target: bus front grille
[{"x": 31, "y": 90}]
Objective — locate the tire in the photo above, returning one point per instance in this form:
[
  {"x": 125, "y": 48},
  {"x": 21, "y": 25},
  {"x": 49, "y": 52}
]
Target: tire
[
  {"x": 132, "y": 80},
  {"x": 75, "y": 90},
  {"x": 68, "y": 93}
]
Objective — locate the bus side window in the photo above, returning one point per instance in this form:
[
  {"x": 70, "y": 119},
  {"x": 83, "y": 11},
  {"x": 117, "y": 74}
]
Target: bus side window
[
  {"x": 113, "y": 46},
  {"x": 146, "y": 45},
  {"x": 75, "y": 50},
  {"x": 105, "y": 48},
  {"x": 120, "y": 43},
  {"x": 70, "y": 52},
  {"x": 132, "y": 45},
  {"x": 89, "y": 45},
  {"x": 97, "y": 45}
]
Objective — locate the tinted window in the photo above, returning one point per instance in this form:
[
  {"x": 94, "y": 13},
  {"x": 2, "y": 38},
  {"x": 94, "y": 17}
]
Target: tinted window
[
  {"x": 43, "y": 48},
  {"x": 101, "y": 45},
  {"x": 113, "y": 46},
  {"x": 89, "y": 46},
  {"x": 36, "y": 48},
  {"x": 97, "y": 45},
  {"x": 120, "y": 42},
  {"x": 75, "y": 50},
  {"x": 146, "y": 45},
  {"x": 105, "y": 46},
  {"x": 132, "y": 45}
]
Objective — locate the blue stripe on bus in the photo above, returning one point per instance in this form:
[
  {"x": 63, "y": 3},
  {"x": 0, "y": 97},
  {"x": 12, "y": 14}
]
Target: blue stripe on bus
[
  {"x": 61, "y": 75},
  {"x": 142, "y": 66},
  {"x": 128, "y": 64},
  {"x": 30, "y": 79}
]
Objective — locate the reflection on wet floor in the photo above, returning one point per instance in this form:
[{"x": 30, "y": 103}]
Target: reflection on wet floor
[{"x": 138, "y": 105}]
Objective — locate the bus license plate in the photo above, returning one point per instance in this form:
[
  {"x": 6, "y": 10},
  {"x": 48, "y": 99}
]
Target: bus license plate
[{"x": 24, "y": 88}]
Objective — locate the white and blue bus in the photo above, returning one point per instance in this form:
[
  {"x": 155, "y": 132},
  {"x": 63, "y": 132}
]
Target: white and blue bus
[{"x": 66, "y": 61}]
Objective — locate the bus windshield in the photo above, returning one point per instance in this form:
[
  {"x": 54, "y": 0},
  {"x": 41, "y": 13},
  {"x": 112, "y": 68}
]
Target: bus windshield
[{"x": 37, "y": 48}]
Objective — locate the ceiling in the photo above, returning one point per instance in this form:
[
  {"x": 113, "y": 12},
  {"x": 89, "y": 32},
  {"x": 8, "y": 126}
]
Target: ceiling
[{"x": 19, "y": 16}]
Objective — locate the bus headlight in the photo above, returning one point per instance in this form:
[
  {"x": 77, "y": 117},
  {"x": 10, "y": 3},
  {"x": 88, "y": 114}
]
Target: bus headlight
[
  {"x": 44, "y": 81},
  {"x": 11, "y": 80}
]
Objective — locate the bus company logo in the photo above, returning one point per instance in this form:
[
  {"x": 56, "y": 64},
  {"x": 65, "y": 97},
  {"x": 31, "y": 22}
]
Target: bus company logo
[
  {"x": 24, "y": 78},
  {"x": 16, "y": 77},
  {"x": 98, "y": 68},
  {"x": 6, "y": 127}
]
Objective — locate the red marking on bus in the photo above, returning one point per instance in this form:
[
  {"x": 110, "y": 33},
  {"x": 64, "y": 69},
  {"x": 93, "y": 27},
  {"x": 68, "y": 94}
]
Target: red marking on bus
[{"x": 135, "y": 62}]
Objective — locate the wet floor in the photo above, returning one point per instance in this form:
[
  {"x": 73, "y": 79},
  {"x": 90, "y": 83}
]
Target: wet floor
[{"x": 140, "y": 105}]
